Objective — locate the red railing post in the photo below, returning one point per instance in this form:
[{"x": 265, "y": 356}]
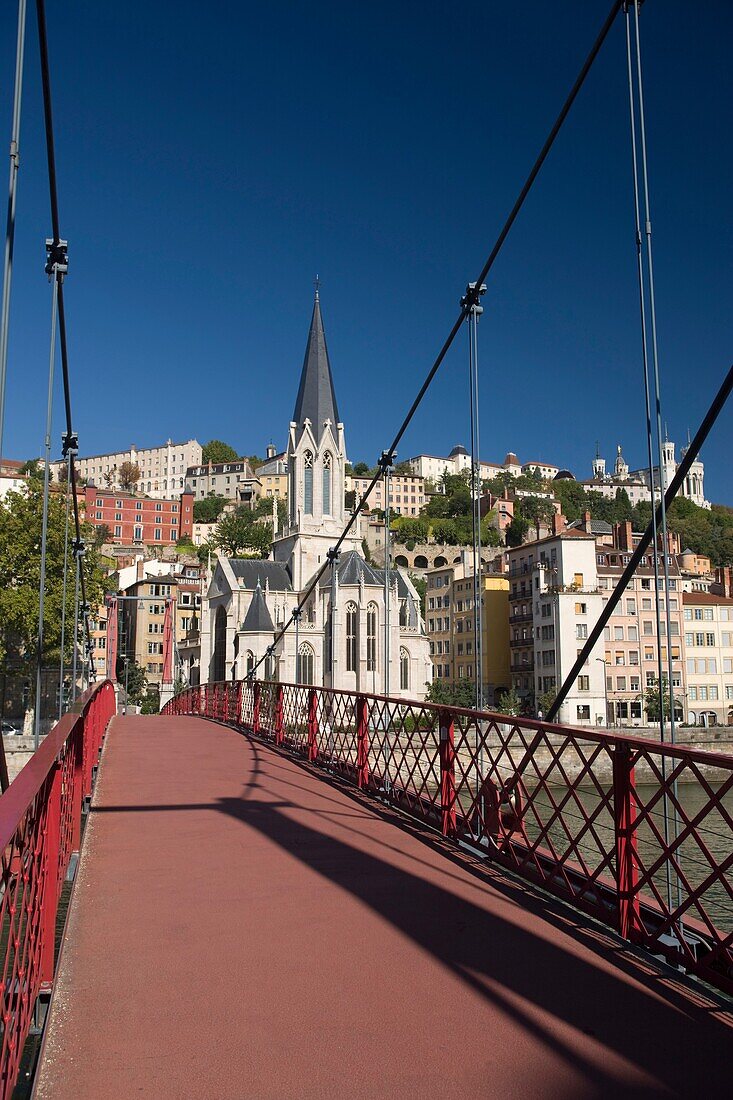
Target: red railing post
[
  {"x": 77, "y": 792},
  {"x": 52, "y": 844},
  {"x": 279, "y": 714},
  {"x": 256, "y": 692},
  {"x": 362, "y": 742},
  {"x": 238, "y": 716},
  {"x": 312, "y": 725},
  {"x": 624, "y": 811},
  {"x": 447, "y": 775}
]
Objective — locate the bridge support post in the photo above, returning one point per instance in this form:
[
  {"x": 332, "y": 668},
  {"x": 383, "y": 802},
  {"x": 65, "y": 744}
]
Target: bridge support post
[
  {"x": 362, "y": 742},
  {"x": 279, "y": 714},
  {"x": 256, "y": 689},
  {"x": 51, "y": 876},
  {"x": 627, "y": 873},
  {"x": 447, "y": 774},
  {"x": 312, "y": 725}
]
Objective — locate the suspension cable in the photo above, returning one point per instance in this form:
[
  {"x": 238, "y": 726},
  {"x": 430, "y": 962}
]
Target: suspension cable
[
  {"x": 64, "y": 586},
  {"x": 10, "y": 229},
  {"x": 54, "y": 256},
  {"x": 470, "y": 300},
  {"x": 655, "y": 361}
]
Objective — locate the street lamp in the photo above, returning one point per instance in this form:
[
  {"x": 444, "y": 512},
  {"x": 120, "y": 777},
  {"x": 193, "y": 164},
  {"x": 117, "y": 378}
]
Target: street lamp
[{"x": 602, "y": 661}]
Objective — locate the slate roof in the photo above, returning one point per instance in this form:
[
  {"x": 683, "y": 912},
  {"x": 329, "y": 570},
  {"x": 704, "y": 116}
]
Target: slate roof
[
  {"x": 597, "y": 526},
  {"x": 352, "y": 567},
  {"x": 316, "y": 398},
  {"x": 258, "y": 619},
  {"x": 251, "y": 572}
]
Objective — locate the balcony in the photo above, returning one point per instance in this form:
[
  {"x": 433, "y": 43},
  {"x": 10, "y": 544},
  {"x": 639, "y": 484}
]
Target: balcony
[
  {"x": 522, "y": 617},
  {"x": 529, "y": 667},
  {"x": 517, "y": 643}
]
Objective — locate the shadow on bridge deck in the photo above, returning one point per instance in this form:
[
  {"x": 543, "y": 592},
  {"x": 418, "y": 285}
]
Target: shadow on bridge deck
[{"x": 240, "y": 928}]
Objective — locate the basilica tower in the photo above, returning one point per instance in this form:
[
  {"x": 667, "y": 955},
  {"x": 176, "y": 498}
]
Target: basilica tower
[{"x": 316, "y": 457}]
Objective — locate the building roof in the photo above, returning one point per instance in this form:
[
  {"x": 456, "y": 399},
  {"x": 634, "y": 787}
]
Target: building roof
[
  {"x": 353, "y": 568},
  {"x": 705, "y": 597},
  {"x": 258, "y": 619},
  {"x": 511, "y": 459},
  {"x": 459, "y": 449},
  {"x": 252, "y": 571},
  {"x": 597, "y": 526},
  {"x": 316, "y": 400}
]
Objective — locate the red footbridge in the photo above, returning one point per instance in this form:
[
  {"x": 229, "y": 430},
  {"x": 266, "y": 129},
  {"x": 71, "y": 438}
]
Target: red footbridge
[{"x": 274, "y": 890}]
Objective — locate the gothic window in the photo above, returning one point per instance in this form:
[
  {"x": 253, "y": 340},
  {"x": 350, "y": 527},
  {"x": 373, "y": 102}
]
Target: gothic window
[
  {"x": 351, "y": 628},
  {"x": 372, "y": 637},
  {"x": 403, "y": 612},
  {"x": 404, "y": 669},
  {"x": 308, "y": 483},
  {"x": 250, "y": 660},
  {"x": 327, "y": 484},
  {"x": 306, "y": 664}
]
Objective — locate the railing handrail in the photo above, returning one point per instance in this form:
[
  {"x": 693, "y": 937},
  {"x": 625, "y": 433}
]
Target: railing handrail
[
  {"x": 721, "y": 760},
  {"x": 20, "y": 794}
]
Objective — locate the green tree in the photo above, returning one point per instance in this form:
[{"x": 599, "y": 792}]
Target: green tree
[
  {"x": 545, "y": 700},
  {"x": 136, "y": 680},
  {"x": 361, "y": 469},
  {"x": 254, "y": 460},
  {"x": 20, "y": 575},
  {"x": 217, "y": 451},
  {"x": 516, "y": 531},
  {"x": 150, "y": 703},
  {"x": 510, "y": 703},
  {"x": 652, "y": 704},
  {"x": 572, "y": 496},
  {"x": 461, "y": 694},
  {"x": 32, "y": 468},
  {"x": 537, "y": 511},
  {"x": 128, "y": 476},
  {"x": 241, "y": 534},
  {"x": 209, "y": 509},
  {"x": 101, "y": 534}
]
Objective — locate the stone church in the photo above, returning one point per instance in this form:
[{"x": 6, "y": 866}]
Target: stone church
[{"x": 341, "y": 634}]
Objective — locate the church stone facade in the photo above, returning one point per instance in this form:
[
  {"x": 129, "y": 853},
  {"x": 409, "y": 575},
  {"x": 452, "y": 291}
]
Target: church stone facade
[{"x": 342, "y": 636}]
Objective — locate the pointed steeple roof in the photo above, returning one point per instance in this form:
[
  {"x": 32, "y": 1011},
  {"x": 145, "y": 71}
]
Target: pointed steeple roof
[
  {"x": 258, "y": 619},
  {"x": 316, "y": 398}
]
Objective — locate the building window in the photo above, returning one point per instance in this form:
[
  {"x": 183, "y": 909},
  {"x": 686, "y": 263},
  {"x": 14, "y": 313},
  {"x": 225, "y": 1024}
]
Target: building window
[
  {"x": 404, "y": 669},
  {"x": 584, "y": 683},
  {"x": 371, "y": 637},
  {"x": 306, "y": 659},
  {"x": 351, "y": 627},
  {"x": 308, "y": 483},
  {"x": 158, "y": 534},
  {"x": 583, "y": 711},
  {"x": 118, "y": 532},
  {"x": 327, "y": 484}
]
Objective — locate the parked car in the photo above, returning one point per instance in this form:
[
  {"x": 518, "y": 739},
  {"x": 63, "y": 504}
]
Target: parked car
[{"x": 9, "y": 729}]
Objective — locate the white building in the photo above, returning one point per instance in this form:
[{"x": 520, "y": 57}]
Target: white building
[
  {"x": 637, "y": 482},
  {"x": 432, "y": 467},
  {"x": 554, "y": 603},
  {"x": 162, "y": 469},
  {"x": 342, "y": 640},
  {"x": 708, "y": 623}
]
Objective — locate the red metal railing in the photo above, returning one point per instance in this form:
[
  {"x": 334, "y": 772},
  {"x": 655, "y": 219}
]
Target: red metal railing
[
  {"x": 40, "y": 828},
  {"x": 634, "y": 831}
]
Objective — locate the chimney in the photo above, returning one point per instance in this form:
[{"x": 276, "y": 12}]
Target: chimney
[
  {"x": 140, "y": 571},
  {"x": 559, "y": 523},
  {"x": 623, "y": 535},
  {"x": 586, "y": 522}
]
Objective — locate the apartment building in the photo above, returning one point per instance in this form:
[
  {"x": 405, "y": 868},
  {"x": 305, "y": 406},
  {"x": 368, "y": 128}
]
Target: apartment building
[
  {"x": 708, "y": 643},
  {"x": 162, "y": 469},
  {"x": 139, "y": 520},
  {"x": 632, "y": 643},
  {"x": 234, "y": 480},
  {"x": 554, "y": 600},
  {"x": 406, "y": 493},
  {"x": 438, "y": 600},
  {"x": 273, "y": 474},
  {"x": 449, "y": 622},
  {"x": 142, "y": 618}
]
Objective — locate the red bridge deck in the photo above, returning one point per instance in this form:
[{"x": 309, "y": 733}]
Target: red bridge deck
[{"x": 240, "y": 928}]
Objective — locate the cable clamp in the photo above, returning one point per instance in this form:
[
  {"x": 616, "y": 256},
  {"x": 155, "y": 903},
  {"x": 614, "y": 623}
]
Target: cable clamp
[
  {"x": 332, "y": 555},
  {"x": 470, "y": 300},
  {"x": 69, "y": 444},
  {"x": 386, "y": 461},
  {"x": 78, "y": 547},
  {"x": 297, "y": 614},
  {"x": 57, "y": 256}
]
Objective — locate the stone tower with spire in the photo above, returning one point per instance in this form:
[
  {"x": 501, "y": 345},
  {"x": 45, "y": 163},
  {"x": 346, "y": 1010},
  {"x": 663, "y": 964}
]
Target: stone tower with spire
[{"x": 316, "y": 457}]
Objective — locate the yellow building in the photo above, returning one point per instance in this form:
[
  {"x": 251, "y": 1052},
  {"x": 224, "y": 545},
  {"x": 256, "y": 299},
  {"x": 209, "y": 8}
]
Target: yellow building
[{"x": 495, "y": 633}]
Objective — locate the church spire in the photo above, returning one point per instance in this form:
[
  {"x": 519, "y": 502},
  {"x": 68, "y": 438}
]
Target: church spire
[{"x": 316, "y": 400}]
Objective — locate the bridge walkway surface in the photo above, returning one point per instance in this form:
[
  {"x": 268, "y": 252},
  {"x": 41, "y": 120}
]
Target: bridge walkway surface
[{"x": 241, "y": 928}]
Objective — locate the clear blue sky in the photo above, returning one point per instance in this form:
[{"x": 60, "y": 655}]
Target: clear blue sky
[{"x": 212, "y": 158}]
